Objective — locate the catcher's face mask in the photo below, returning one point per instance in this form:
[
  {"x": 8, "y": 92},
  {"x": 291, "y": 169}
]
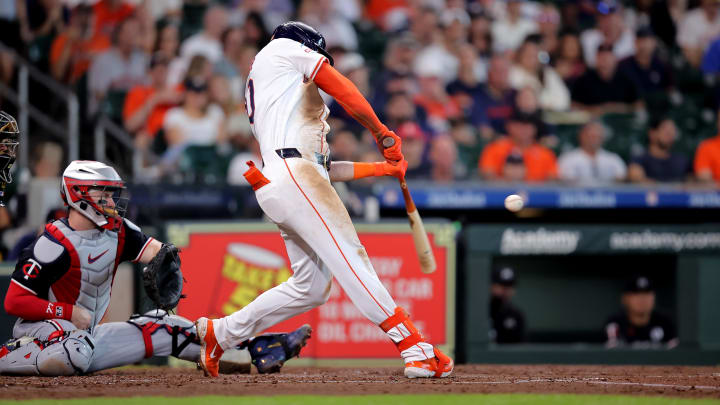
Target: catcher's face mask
[{"x": 8, "y": 145}]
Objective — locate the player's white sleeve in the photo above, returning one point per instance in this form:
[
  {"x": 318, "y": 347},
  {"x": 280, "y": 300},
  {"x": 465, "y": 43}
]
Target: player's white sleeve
[{"x": 302, "y": 58}]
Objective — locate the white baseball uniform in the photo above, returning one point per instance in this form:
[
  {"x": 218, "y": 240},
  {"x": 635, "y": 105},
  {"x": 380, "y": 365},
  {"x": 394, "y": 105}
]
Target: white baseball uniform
[{"x": 286, "y": 112}]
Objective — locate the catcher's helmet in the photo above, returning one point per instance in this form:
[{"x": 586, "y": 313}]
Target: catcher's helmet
[
  {"x": 9, "y": 133},
  {"x": 305, "y": 34},
  {"x": 96, "y": 191}
]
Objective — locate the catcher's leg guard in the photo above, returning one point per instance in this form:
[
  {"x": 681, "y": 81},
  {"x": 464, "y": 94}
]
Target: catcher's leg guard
[
  {"x": 436, "y": 365},
  {"x": 154, "y": 333},
  {"x": 269, "y": 352},
  {"x": 66, "y": 353}
]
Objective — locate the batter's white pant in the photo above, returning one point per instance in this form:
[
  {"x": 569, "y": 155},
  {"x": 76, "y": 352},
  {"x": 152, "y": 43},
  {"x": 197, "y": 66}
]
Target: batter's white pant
[{"x": 321, "y": 242}]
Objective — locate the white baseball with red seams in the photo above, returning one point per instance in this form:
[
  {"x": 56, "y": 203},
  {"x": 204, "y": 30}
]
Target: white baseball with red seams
[{"x": 286, "y": 111}]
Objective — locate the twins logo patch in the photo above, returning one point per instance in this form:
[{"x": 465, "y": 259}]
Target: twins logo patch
[{"x": 31, "y": 269}]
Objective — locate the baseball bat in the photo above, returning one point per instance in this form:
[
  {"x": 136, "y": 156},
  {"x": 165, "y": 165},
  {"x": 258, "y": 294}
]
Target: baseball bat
[{"x": 420, "y": 238}]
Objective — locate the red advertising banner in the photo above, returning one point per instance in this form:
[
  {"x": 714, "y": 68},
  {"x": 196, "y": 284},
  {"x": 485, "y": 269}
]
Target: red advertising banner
[{"x": 227, "y": 266}]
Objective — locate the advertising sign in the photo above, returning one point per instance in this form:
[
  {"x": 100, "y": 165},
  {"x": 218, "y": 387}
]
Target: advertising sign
[{"x": 229, "y": 265}]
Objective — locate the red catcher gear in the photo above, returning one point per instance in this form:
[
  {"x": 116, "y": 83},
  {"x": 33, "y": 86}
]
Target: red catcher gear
[{"x": 83, "y": 176}]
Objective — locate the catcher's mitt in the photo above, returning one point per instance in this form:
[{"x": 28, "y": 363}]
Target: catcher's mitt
[{"x": 162, "y": 278}]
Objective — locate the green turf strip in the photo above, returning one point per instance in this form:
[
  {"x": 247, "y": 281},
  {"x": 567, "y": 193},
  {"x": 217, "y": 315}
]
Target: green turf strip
[{"x": 454, "y": 399}]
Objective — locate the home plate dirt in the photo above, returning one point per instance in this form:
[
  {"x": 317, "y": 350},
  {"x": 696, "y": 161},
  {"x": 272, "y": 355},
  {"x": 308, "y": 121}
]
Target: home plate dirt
[{"x": 162, "y": 381}]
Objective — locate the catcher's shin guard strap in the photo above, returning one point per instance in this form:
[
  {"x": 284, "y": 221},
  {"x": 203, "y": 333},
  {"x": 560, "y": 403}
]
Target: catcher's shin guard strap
[
  {"x": 189, "y": 338},
  {"x": 400, "y": 317},
  {"x": 147, "y": 330}
]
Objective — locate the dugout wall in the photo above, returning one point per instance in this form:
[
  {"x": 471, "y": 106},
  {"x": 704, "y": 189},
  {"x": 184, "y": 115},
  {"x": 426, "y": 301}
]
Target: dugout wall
[{"x": 569, "y": 281}]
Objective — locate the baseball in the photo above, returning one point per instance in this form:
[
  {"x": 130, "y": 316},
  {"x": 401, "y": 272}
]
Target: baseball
[{"x": 514, "y": 203}]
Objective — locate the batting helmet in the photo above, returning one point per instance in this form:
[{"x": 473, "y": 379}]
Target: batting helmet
[
  {"x": 305, "y": 34},
  {"x": 96, "y": 191}
]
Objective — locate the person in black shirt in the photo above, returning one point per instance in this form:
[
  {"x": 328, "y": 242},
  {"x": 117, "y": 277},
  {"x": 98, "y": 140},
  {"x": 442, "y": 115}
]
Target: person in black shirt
[
  {"x": 639, "y": 325},
  {"x": 659, "y": 162},
  {"x": 603, "y": 89},
  {"x": 645, "y": 69},
  {"x": 507, "y": 321}
]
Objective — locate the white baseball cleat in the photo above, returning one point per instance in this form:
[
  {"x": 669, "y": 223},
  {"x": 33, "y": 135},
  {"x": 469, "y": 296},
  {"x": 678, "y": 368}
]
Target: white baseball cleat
[{"x": 438, "y": 367}]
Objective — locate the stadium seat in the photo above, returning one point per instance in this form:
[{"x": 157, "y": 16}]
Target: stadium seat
[{"x": 203, "y": 164}]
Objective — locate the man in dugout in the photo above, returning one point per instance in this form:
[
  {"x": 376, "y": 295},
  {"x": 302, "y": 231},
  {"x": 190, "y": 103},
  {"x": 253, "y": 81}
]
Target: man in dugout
[{"x": 638, "y": 325}]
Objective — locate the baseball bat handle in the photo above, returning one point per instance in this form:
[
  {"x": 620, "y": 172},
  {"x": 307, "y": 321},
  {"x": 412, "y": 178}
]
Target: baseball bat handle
[{"x": 388, "y": 141}]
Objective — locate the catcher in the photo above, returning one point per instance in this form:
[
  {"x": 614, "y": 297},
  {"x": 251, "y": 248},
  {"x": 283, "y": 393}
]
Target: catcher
[{"x": 60, "y": 290}]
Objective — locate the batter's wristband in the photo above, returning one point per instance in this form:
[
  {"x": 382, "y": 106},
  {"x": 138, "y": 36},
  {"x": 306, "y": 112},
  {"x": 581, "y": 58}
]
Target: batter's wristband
[{"x": 361, "y": 169}]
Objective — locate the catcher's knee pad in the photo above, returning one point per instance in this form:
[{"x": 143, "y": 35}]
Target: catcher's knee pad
[
  {"x": 69, "y": 353},
  {"x": 181, "y": 331}
]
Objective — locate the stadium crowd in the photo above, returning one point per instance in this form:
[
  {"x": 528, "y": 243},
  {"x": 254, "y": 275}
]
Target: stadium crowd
[{"x": 583, "y": 92}]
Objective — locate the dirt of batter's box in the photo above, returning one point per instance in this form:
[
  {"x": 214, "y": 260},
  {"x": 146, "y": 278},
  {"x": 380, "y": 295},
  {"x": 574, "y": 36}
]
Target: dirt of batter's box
[{"x": 672, "y": 381}]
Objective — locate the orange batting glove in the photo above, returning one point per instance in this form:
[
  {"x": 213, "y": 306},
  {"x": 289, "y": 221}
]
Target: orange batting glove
[
  {"x": 396, "y": 169},
  {"x": 392, "y": 153}
]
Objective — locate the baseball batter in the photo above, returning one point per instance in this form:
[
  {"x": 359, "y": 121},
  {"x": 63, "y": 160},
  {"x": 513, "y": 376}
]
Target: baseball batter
[
  {"x": 289, "y": 121},
  {"x": 60, "y": 290}
]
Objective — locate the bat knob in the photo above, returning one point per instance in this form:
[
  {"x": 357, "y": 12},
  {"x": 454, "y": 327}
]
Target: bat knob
[{"x": 388, "y": 141}]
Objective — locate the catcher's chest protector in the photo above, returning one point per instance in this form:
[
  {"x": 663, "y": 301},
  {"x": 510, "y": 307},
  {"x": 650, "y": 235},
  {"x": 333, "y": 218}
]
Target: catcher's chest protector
[{"x": 94, "y": 252}]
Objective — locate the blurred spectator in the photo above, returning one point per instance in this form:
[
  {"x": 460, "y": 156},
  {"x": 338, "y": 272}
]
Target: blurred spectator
[
  {"x": 480, "y": 35},
  {"x": 603, "y": 90},
  {"x": 396, "y": 73},
  {"x": 711, "y": 59},
  {"x": 344, "y": 146},
  {"x": 494, "y": 102},
  {"x": 707, "y": 158},
  {"x": 229, "y": 65},
  {"x": 10, "y": 32},
  {"x": 549, "y": 28},
  {"x": 255, "y": 31},
  {"x": 466, "y": 86},
  {"x": 610, "y": 30},
  {"x": 660, "y": 15},
  {"x": 531, "y": 69},
  {"x": 659, "y": 162},
  {"x": 638, "y": 324},
  {"x": 40, "y": 21},
  {"x": 569, "y": 58},
  {"x": 120, "y": 67},
  {"x": 274, "y": 12},
  {"x": 645, "y": 69},
  {"x": 109, "y": 14},
  {"x": 336, "y": 29},
  {"x": 167, "y": 43},
  {"x": 236, "y": 124},
  {"x": 27, "y": 239},
  {"x": 440, "y": 54},
  {"x": 697, "y": 29},
  {"x": 238, "y": 165},
  {"x": 400, "y": 109},
  {"x": 196, "y": 121},
  {"x": 199, "y": 68},
  {"x": 589, "y": 164},
  {"x": 164, "y": 9},
  {"x": 443, "y": 157},
  {"x": 74, "y": 49},
  {"x": 146, "y": 105},
  {"x": 518, "y": 156},
  {"x": 414, "y": 145},
  {"x": 507, "y": 321},
  {"x": 510, "y": 31},
  {"x": 526, "y": 101},
  {"x": 433, "y": 98},
  {"x": 424, "y": 25},
  {"x": 207, "y": 42}
]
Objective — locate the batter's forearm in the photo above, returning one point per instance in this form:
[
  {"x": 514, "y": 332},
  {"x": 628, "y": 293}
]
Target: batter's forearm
[
  {"x": 349, "y": 97},
  {"x": 341, "y": 171}
]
